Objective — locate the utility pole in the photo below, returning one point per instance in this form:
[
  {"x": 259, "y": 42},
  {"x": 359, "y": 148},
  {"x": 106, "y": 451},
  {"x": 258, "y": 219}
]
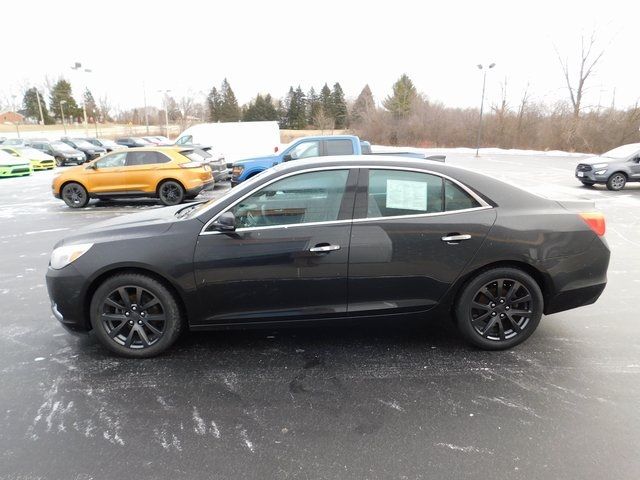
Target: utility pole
[
  {"x": 484, "y": 82},
  {"x": 39, "y": 106},
  {"x": 146, "y": 113},
  {"x": 166, "y": 110},
  {"x": 62, "y": 102}
]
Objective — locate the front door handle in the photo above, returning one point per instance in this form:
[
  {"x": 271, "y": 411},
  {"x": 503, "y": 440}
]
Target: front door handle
[
  {"x": 453, "y": 239},
  {"x": 324, "y": 248}
]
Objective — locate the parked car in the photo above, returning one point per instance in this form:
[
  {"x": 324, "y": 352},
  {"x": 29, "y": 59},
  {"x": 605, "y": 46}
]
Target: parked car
[
  {"x": 90, "y": 150},
  {"x": 218, "y": 165},
  {"x": 38, "y": 159},
  {"x": 161, "y": 141},
  {"x": 12, "y": 166},
  {"x": 614, "y": 168},
  {"x": 108, "y": 145},
  {"x": 166, "y": 173},
  {"x": 16, "y": 142},
  {"x": 333, "y": 239},
  {"x": 132, "y": 142},
  {"x": 62, "y": 152},
  {"x": 308, "y": 147}
]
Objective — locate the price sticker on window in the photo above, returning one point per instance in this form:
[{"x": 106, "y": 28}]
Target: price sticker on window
[{"x": 407, "y": 195}]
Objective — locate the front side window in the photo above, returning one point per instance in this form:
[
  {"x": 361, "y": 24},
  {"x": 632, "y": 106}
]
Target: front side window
[
  {"x": 304, "y": 198},
  {"x": 305, "y": 150},
  {"x": 396, "y": 192},
  {"x": 111, "y": 161}
]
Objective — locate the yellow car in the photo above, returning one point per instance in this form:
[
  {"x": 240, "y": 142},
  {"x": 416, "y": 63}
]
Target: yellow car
[
  {"x": 171, "y": 174},
  {"x": 39, "y": 160}
]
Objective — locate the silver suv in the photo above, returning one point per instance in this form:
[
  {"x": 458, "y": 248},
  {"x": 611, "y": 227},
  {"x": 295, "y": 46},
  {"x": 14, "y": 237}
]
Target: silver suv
[{"x": 614, "y": 168}]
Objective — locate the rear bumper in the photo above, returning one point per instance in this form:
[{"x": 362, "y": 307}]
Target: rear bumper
[
  {"x": 205, "y": 186},
  {"x": 577, "y": 280}
]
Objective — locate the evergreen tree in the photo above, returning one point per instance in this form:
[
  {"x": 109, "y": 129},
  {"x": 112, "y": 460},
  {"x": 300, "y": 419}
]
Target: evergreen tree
[
  {"x": 403, "y": 98},
  {"x": 287, "y": 109},
  {"x": 301, "y": 115},
  {"x": 363, "y": 105},
  {"x": 296, "y": 117},
  {"x": 229, "y": 109},
  {"x": 30, "y": 105},
  {"x": 326, "y": 101},
  {"x": 339, "y": 106},
  {"x": 90, "y": 105},
  {"x": 313, "y": 106},
  {"x": 61, "y": 91},
  {"x": 214, "y": 104},
  {"x": 260, "y": 109}
]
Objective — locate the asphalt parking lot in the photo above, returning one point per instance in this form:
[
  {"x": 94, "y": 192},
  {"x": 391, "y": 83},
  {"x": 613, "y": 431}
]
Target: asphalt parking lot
[{"x": 382, "y": 401}]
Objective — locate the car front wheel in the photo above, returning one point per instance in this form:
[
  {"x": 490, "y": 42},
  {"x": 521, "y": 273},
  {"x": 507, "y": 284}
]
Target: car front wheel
[
  {"x": 135, "y": 316},
  {"x": 171, "y": 193},
  {"x": 75, "y": 195},
  {"x": 499, "y": 308},
  {"x": 616, "y": 182}
]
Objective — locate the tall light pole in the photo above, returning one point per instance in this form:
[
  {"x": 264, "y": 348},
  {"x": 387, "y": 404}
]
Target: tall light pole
[
  {"x": 39, "y": 106},
  {"x": 78, "y": 67},
  {"x": 484, "y": 82},
  {"x": 62, "y": 102},
  {"x": 166, "y": 109},
  {"x": 146, "y": 112}
]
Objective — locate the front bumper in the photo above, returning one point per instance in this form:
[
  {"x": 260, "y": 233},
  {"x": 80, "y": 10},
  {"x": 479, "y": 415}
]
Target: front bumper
[
  {"x": 591, "y": 177},
  {"x": 65, "y": 289}
]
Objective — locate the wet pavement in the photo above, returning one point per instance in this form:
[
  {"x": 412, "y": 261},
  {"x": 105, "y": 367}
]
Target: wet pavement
[{"x": 383, "y": 400}]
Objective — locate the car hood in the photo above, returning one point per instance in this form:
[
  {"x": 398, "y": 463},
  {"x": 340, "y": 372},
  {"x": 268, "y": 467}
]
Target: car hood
[
  {"x": 266, "y": 160},
  {"x": 598, "y": 159},
  {"x": 17, "y": 161},
  {"x": 67, "y": 153},
  {"x": 135, "y": 225}
]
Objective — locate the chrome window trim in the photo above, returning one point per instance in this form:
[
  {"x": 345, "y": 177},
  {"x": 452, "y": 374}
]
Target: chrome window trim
[{"x": 483, "y": 204}]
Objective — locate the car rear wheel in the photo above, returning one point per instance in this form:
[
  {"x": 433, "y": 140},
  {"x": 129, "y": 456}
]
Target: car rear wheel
[
  {"x": 499, "y": 308},
  {"x": 75, "y": 195},
  {"x": 171, "y": 193},
  {"x": 616, "y": 182},
  {"x": 135, "y": 316}
]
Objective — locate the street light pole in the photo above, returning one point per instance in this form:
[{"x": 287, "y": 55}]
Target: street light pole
[
  {"x": 146, "y": 113},
  {"x": 77, "y": 66},
  {"x": 62, "y": 102},
  {"x": 166, "y": 110},
  {"x": 484, "y": 82},
  {"x": 39, "y": 106}
]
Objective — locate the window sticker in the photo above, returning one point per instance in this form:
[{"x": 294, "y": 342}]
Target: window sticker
[{"x": 407, "y": 195}]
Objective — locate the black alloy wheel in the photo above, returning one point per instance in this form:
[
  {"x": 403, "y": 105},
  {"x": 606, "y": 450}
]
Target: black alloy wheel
[
  {"x": 617, "y": 181},
  {"x": 499, "y": 309},
  {"x": 75, "y": 195},
  {"x": 135, "y": 315},
  {"x": 171, "y": 193}
]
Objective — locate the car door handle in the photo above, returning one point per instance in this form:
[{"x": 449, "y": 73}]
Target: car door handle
[
  {"x": 453, "y": 239},
  {"x": 324, "y": 248}
]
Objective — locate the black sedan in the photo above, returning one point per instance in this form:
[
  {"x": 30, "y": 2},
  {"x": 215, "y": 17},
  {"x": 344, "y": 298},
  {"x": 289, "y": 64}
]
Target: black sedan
[
  {"x": 327, "y": 240},
  {"x": 90, "y": 150}
]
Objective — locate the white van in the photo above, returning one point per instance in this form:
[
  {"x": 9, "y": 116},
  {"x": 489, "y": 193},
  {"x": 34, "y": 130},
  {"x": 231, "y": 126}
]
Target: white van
[{"x": 234, "y": 140}]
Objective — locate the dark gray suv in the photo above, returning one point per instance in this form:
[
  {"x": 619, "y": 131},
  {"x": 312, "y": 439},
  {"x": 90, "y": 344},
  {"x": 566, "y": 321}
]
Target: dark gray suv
[{"x": 614, "y": 168}]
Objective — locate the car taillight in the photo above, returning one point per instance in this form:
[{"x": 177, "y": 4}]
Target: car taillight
[
  {"x": 596, "y": 222},
  {"x": 191, "y": 165}
]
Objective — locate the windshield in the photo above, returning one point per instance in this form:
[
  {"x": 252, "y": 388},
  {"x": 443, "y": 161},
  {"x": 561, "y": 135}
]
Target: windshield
[
  {"x": 623, "y": 152},
  {"x": 83, "y": 143},
  {"x": 63, "y": 147},
  {"x": 141, "y": 140},
  {"x": 32, "y": 152}
]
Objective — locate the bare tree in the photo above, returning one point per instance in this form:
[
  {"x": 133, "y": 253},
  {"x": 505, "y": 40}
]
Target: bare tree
[{"x": 104, "y": 104}]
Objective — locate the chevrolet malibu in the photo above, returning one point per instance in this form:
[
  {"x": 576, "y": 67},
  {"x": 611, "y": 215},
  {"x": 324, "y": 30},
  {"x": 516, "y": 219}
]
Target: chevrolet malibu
[{"x": 328, "y": 240}]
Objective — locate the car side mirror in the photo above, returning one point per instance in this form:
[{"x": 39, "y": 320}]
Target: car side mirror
[
  {"x": 92, "y": 166},
  {"x": 286, "y": 158},
  {"x": 225, "y": 222}
]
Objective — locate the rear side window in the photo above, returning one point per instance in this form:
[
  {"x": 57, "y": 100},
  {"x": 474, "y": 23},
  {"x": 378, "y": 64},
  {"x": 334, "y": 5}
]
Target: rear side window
[
  {"x": 455, "y": 198},
  {"x": 338, "y": 147},
  {"x": 196, "y": 155},
  {"x": 396, "y": 192},
  {"x": 146, "y": 158}
]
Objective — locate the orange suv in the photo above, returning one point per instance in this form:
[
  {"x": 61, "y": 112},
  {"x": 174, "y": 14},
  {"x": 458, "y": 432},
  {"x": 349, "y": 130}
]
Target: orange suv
[{"x": 171, "y": 174}]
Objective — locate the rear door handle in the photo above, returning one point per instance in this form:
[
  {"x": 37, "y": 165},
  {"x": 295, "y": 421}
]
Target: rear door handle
[
  {"x": 324, "y": 248},
  {"x": 455, "y": 238}
]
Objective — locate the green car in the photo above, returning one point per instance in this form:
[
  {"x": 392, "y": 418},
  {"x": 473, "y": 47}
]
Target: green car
[{"x": 11, "y": 166}]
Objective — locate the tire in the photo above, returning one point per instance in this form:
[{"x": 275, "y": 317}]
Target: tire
[
  {"x": 74, "y": 195},
  {"x": 588, "y": 184},
  {"x": 121, "y": 310},
  {"x": 60, "y": 162},
  {"x": 171, "y": 193},
  {"x": 495, "y": 326},
  {"x": 616, "y": 182}
]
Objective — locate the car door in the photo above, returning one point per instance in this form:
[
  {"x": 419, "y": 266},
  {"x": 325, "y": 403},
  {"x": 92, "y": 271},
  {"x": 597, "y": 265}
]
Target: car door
[
  {"x": 107, "y": 176},
  {"x": 140, "y": 170},
  {"x": 288, "y": 256},
  {"x": 413, "y": 233}
]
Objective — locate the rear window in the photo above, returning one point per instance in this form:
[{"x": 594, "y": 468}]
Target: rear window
[
  {"x": 455, "y": 198},
  {"x": 196, "y": 155},
  {"x": 339, "y": 147}
]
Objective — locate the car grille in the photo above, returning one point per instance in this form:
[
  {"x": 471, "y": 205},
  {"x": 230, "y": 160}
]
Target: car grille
[
  {"x": 583, "y": 167},
  {"x": 20, "y": 170}
]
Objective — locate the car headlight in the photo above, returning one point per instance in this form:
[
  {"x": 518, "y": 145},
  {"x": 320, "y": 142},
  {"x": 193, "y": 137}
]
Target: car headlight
[
  {"x": 600, "y": 172},
  {"x": 600, "y": 165},
  {"x": 63, "y": 256},
  {"x": 237, "y": 170}
]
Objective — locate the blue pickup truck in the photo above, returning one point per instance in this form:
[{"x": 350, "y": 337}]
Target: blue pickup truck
[{"x": 307, "y": 147}]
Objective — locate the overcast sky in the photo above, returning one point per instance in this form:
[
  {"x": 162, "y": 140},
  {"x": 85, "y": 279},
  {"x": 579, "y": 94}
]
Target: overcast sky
[{"x": 188, "y": 46}]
